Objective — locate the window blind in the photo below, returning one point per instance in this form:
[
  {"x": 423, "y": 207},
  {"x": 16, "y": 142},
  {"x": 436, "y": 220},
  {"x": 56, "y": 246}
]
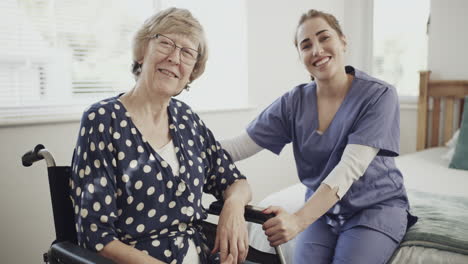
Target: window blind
[{"x": 57, "y": 57}]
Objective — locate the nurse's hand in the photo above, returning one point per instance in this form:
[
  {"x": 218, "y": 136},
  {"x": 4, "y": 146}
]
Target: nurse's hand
[
  {"x": 283, "y": 227},
  {"x": 231, "y": 234}
]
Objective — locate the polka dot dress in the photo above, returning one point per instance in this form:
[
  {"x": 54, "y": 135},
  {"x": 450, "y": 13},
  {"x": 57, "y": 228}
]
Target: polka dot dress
[{"x": 122, "y": 189}]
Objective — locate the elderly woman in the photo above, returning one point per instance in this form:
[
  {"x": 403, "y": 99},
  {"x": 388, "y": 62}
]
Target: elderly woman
[{"x": 143, "y": 160}]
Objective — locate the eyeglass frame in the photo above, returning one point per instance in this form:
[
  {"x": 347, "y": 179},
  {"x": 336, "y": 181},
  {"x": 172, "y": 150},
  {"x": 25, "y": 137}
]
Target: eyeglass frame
[{"x": 174, "y": 47}]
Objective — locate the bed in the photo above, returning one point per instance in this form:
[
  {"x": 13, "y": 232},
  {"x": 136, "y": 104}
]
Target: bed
[{"x": 438, "y": 194}]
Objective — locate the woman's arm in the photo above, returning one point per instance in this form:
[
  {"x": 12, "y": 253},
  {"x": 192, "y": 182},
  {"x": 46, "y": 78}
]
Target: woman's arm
[
  {"x": 231, "y": 235},
  {"x": 122, "y": 254},
  {"x": 284, "y": 227},
  {"x": 240, "y": 147}
]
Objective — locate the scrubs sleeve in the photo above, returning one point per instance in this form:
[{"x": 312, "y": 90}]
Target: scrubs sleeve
[
  {"x": 272, "y": 128},
  {"x": 379, "y": 124}
]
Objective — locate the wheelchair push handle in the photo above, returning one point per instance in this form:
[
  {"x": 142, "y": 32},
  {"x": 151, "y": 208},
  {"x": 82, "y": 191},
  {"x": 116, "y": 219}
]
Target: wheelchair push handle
[
  {"x": 32, "y": 156},
  {"x": 252, "y": 213},
  {"x": 39, "y": 152}
]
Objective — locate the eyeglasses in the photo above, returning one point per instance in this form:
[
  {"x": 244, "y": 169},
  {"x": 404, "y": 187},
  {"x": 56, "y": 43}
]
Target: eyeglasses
[{"x": 166, "y": 46}]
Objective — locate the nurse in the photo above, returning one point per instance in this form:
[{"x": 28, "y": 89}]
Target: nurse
[{"x": 344, "y": 127}]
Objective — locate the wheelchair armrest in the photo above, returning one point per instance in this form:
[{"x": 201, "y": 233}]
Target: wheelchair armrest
[
  {"x": 252, "y": 213},
  {"x": 67, "y": 252}
]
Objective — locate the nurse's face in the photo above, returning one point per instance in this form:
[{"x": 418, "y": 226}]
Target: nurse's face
[{"x": 321, "y": 48}]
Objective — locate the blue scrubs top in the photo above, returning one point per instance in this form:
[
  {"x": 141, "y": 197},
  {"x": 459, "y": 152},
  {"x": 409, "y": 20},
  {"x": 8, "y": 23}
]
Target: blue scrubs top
[
  {"x": 122, "y": 189},
  {"x": 369, "y": 115}
]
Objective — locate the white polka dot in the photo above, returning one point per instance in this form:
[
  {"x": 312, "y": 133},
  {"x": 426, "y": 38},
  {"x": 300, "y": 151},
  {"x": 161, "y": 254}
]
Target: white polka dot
[
  {"x": 78, "y": 191},
  {"x": 223, "y": 181},
  {"x": 97, "y": 164},
  {"x": 147, "y": 168},
  {"x": 218, "y": 161},
  {"x": 129, "y": 199},
  {"x": 113, "y": 115},
  {"x": 169, "y": 184},
  {"x": 150, "y": 190},
  {"x": 140, "y": 228},
  {"x": 191, "y": 197},
  {"x": 161, "y": 198},
  {"x": 151, "y": 213},
  {"x": 181, "y": 187},
  {"x": 175, "y": 222},
  {"x": 101, "y": 127},
  {"x": 114, "y": 163},
  {"x": 164, "y": 231},
  {"x": 172, "y": 204},
  {"x": 104, "y": 218},
  {"x": 182, "y": 169},
  {"x": 81, "y": 173},
  {"x": 140, "y": 149},
  {"x": 155, "y": 243},
  {"x": 121, "y": 155},
  {"x": 101, "y": 145},
  {"x": 108, "y": 199},
  {"x": 84, "y": 212},
  {"x": 110, "y": 147},
  {"x": 103, "y": 181},
  {"x": 127, "y": 114},
  {"x": 93, "y": 227},
  {"x": 196, "y": 182},
  {"x": 140, "y": 206},
  {"x": 133, "y": 164},
  {"x": 182, "y": 227},
  {"x": 116, "y": 106},
  {"x": 167, "y": 253},
  {"x": 183, "y": 210},
  {"x": 133, "y": 131},
  {"x": 123, "y": 123},
  {"x": 129, "y": 220},
  {"x": 116, "y": 135},
  {"x": 128, "y": 142},
  {"x": 91, "y": 188},
  {"x": 181, "y": 126},
  {"x": 91, "y": 116},
  {"x": 83, "y": 131},
  {"x": 190, "y": 211},
  {"x": 163, "y": 219},
  {"x": 164, "y": 164},
  {"x": 138, "y": 185},
  {"x": 190, "y": 142},
  {"x": 188, "y": 111},
  {"x": 92, "y": 147},
  {"x": 125, "y": 178},
  {"x": 99, "y": 247},
  {"x": 101, "y": 111},
  {"x": 221, "y": 170},
  {"x": 96, "y": 206},
  {"x": 159, "y": 176}
]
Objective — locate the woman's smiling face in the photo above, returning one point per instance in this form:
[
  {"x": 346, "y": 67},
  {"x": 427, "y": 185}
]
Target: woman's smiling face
[
  {"x": 321, "y": 48},
  {"x": 166, "y": 73}
]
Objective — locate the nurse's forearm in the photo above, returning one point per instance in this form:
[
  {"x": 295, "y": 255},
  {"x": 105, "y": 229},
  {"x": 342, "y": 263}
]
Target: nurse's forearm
[
  {"x": 240, "y": 147},
  {"x": 318, "y": 204},
  {"x": 121, "y": 253}
]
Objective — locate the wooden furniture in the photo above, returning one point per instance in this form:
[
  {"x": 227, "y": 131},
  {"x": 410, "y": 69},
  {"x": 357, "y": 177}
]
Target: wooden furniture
[{"x": 447, "y": 100}]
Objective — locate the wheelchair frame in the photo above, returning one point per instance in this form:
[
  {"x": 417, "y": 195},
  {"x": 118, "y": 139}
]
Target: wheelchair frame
[{"x": 64, "y": 248}]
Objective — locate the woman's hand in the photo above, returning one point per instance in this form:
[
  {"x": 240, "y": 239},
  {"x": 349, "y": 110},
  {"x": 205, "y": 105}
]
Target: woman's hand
[
  {"x": 231, "y": 235},
  {"x": 283, "y": 227}
]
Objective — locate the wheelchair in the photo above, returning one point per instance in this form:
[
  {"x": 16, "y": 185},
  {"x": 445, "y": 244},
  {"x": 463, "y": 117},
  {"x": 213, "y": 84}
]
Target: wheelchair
[{"x": 64, "y": 249}]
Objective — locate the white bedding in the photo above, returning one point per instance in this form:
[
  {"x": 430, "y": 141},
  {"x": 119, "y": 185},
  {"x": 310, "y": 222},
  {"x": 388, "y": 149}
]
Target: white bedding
[
  {"x": 424, "y": 171},
  {"x": 427, "y": 171}
]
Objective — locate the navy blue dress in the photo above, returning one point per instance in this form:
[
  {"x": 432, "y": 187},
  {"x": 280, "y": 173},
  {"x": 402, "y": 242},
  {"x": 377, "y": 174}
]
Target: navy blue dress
[{"x": 122, "y": 189}]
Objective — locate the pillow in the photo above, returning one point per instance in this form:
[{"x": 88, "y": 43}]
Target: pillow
[
  {"x": 460, "y": 157},
  {"x": 451, "y": 146}
]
